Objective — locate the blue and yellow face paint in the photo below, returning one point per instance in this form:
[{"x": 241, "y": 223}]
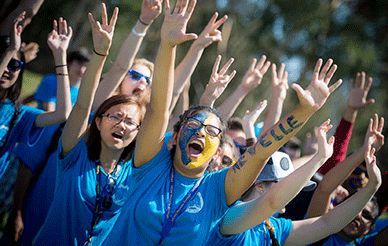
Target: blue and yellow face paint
[{"x": 211, "y": 143}]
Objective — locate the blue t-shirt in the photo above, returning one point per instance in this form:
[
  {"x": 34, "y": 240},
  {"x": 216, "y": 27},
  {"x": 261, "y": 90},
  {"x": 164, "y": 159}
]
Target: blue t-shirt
[
  {"x": 47, "y": 91},
  {"x": 258, "y": 235},
  {"x": 142, "y": 217},
  {"x": 22, "y": 131},
  {"x": 69, "y": 219},
  {"x": 42, "y": 184},
  {"x": 335, "y": 240}
]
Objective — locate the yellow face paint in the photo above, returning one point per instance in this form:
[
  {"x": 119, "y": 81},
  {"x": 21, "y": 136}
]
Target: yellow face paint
[{"x": 211, "y": 143}]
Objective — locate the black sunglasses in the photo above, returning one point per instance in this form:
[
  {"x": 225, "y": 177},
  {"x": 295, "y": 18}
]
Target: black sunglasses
[
  {"x": 14, "y": 65},
  {"x": 107, "y": 200},
  {"x": 196, "y": 124}
]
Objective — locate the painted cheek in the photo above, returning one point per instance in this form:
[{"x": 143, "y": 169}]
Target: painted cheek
[
  {"x": 184, "y": 138},
  {"x": 210, "y": 149}
]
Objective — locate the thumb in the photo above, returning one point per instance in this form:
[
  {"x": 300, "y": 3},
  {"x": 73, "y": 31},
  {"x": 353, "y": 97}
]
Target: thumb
[
  {"x": 298, "y": 89},
  {"x": 189, "y": 36},
  {"x": 370, "y": 101}
]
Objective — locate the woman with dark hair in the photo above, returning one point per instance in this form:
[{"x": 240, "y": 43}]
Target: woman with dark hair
[
  {"x": 93, "y": 161},
  {"x": 174, "y": 201},
  {"x": 22, "y": 123}
]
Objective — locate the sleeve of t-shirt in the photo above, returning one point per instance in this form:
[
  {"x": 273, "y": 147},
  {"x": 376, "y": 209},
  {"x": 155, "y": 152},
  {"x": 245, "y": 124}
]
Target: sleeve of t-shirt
[
  {"x": 342, "y": 136},
  {"x": 78, "y": 154},
  {"x": 47, "y": 89},
  {"x": 34, "y": 151},
  {"x": 282, "y": 228}
]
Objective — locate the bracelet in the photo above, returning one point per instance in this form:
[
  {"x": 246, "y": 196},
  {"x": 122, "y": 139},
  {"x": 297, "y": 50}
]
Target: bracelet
[
  {"x": 99, "y": 53},
  {"x": 143, "y": 22},
  {"x": 138, "y": 34},
  {"x": 62, "y": 74},
  {"x": 64, "y": 65}
]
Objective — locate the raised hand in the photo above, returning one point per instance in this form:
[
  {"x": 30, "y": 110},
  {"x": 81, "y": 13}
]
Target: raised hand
[
  {"x": 279, "y": 82},
  {"x": 374, "y": 136},
  {"x": 254, "y": 75},
  {"x": 325, "y": 148},
  {"x": 59, "y": 38},
  {"x": 150, "y": 10},
  {"x": 103, "y": 33},
  {"x": 16, "y": 32},
  {"x": 250, "y": 118},
  {"x": 217, "y": 83},
  {"x": 358, "y": 92},
  {"x": 371, "y": 167},
  {"x": 318, "y": 90},
  {"x": 211, "y": 33},
  {"x": 175, "y": 23}
]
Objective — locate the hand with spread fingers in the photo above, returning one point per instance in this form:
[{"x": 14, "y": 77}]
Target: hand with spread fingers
[
  {"x": 317, "y": 92},
  {"x": 211, "y": 33},
  {"x": 59, "y": 38},
  {"x": 254, "y": 74},
  {"x": 150, "y": 10}
]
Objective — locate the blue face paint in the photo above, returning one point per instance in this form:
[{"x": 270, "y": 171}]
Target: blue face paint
[{"x": 187, "y": 133}]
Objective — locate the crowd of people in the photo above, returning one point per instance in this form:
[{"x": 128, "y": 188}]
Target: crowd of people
[{"x": 106, "y": 160}]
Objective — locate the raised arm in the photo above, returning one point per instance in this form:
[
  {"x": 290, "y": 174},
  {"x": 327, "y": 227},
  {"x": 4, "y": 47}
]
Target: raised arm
[
  {"x": 320, "y": 201},
  {"x": 77, "y": 123},
  {"x": 187, "y": 66},
  {"x": 358, "y": 92},
  {"x": 150, "y": 10},
  {"x": 58, "y": 41},
  {"x": 311, "y": 230},
  {"x": 16, "y": 41},
  {"x": 244, "y": 172},
  {"x": 279, "y": 92},
  {"x": 245, "y": 216},
  {"x": 251, "y": 80},
  {"x": 150, "y": 138},
  {"x": 217, "y": 83}
]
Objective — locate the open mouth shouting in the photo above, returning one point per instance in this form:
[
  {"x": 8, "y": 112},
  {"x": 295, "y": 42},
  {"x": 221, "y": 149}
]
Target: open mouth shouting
[
  {"x": 195, "y": 148},
  {"x": 117, "y": 135},
  {"x": 138, "y": 90}
]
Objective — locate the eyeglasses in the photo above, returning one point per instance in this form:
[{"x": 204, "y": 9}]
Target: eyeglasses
[
  {"x": 117, "y": 120},
  {"x": 226, "y": 161},
  {"x": 366, "y": 215},
  {"x": 137, "y": 76},
  {"x": 209, "y": 129},
  {"x": 14, "y": 65}
]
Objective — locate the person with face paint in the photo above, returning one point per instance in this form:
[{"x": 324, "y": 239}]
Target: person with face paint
[
  {"x": 19, "y": 124},
  {"x": 243, "y": 223},
  {"x": 174, "y": 201}
]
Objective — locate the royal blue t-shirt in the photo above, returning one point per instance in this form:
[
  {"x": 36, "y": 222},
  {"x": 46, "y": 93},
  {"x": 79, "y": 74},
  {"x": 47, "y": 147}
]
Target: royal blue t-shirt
[
  {"x": 142, "y": 216},
  {"x": 69, "y": 219},
  {"x": 258, "y": 235},
  {"x": 47, "y": 91},
  {"x": 335, "y": 240}
]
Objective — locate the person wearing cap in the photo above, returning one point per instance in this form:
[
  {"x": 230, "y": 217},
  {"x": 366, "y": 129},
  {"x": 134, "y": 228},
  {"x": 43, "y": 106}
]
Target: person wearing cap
[{"x": 276, "y": 185}]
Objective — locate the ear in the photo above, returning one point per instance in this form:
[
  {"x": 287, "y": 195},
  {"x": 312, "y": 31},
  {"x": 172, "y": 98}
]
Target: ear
[
  {"x": 98, "y": 123},
  {"x": 174, "y": 138}
]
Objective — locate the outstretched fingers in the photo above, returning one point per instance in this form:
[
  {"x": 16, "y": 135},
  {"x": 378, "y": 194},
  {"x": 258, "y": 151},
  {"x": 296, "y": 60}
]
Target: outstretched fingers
[
  {"x": 113, "y": 20},
  {"x": 335, "y": 85},
  {"x": 104, "y": 15},
  {"x": 216, "y": 65},
  {"x": 226, "y": 66}
]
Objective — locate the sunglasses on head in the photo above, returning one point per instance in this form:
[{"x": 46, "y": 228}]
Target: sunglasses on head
[
  {"x": 137, "y": 76},
  {"x": 14, "y": 65}
]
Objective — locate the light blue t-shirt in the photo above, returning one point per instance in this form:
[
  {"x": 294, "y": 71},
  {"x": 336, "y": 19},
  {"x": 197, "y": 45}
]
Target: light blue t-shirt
[
  {"x": 47, "y": 91},
  {"x": 22, "y": 131},
  {"x": 69, "y": 219},
  {"x": 258, "y": 235},
  {"x": 142, "y": 217},
  {"x": 335, "y": 240}
]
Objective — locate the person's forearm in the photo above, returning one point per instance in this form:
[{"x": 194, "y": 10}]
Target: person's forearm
[
  {"x": 229, "y": 106},
  {"x": 342, "y": 137},
  {"x": 274, "y": 113},
  {"x": 184, "y": 71},
  {"x": 7, "y": 56},
  {"x": 120, "y": 67},
  {"x": 350, "y": 114},
  {"x": 21, "y": 185}
]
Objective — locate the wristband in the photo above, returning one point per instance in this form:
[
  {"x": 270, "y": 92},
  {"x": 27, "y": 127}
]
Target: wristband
[
  {"x": 138, "y": 34},
  {"x": 62, "y": 74},
  {"x": 64, "y": 65},
  {"x": 99, "y": 53},
  {"x": 143, "y": 22}
]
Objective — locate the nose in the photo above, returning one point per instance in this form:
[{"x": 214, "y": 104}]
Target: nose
[{"x": 200, "y": 132}]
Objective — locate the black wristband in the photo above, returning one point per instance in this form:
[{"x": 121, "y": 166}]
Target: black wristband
[
  {"x": 62, "y": 74},
  {"x": 98, "y": 53},
  {"x": 143, "y": 22},
  {"x": 64, "y": 65}
]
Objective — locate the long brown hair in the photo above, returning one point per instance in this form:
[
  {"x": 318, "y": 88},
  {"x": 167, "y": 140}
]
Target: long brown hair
[{"x": 93, "y": 136}]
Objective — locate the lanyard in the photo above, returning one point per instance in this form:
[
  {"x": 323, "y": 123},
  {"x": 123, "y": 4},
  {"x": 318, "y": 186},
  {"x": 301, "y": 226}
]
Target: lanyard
[
  {"x": 101, "y": 195},
  {"x": 169, "y": 220}
]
